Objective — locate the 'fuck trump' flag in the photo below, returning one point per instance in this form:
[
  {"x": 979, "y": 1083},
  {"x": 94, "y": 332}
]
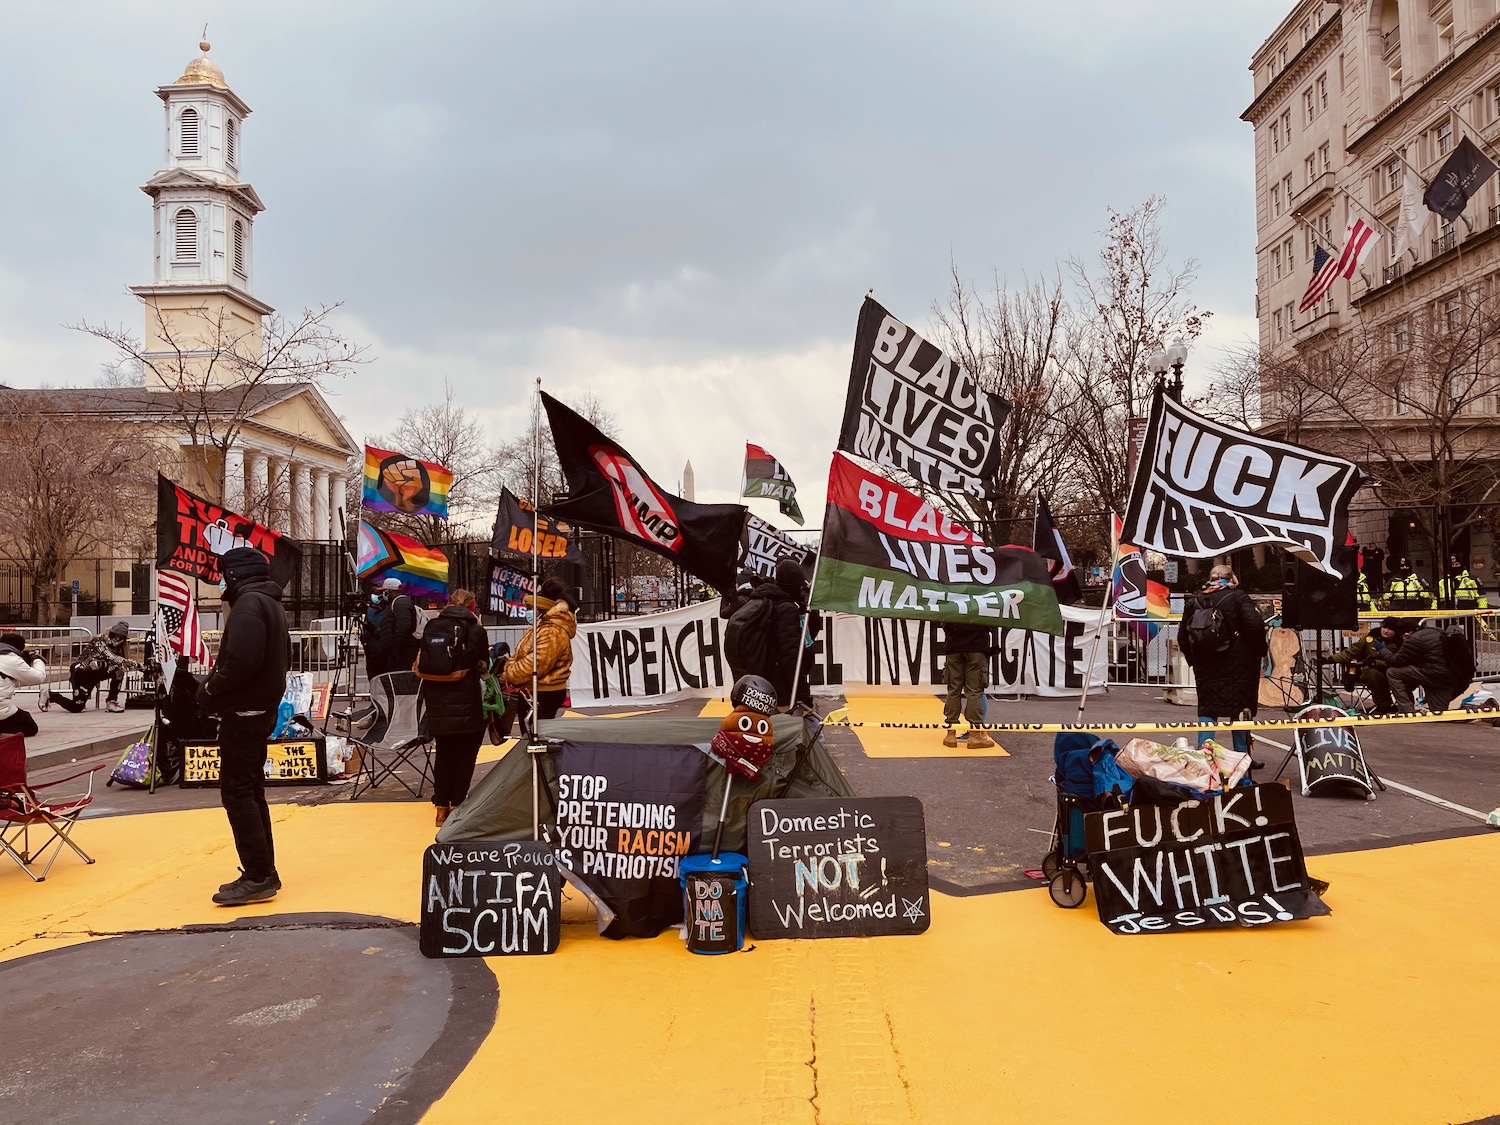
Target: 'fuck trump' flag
[
  {"x": 886, "y": 552},
  {"x": 610, "y": 492},
  {"x": 912, "y": 408},
  {"x": 1202, "y": 489}
]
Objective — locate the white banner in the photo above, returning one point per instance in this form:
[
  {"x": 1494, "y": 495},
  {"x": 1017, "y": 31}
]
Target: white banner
[{"x": 663, "y": 657}]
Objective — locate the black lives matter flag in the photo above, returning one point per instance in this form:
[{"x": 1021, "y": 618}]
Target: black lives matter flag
[
  {"x": 609, "y": 492},
  {"x": 763, "y": 546},
  {"x": 191, "y": 534},
  {"x": 912, "y": 408},
  {"x": 1202, "y": 489},
  {"x": 766, "y": 478},
  {"x": 886, "y": 552}
]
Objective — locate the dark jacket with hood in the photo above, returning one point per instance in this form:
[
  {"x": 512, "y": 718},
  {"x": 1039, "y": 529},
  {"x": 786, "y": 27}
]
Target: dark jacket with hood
[
  {"x": 1422, "y": 650},
  {"x": 457, "y": 706},
  {"x": 254, "y": 652},
  {"x": 959, "y": 637},
  {"x": 396, "y": 640},
  {"x": 1228, "y": 682}
]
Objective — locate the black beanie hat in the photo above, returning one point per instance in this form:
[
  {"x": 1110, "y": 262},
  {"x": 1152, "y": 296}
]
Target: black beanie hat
[
  {"x": 789, "y": 575},
  {"x": 1394, "y": 624},
  {"x": 241, "y": 563}
]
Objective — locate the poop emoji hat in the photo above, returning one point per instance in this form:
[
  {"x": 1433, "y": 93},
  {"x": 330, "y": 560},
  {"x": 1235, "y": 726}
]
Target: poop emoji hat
[{"x": 744, "y": 739}]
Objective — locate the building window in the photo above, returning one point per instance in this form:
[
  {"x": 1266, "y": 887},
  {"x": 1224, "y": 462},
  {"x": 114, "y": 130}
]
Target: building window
[
  {"x": 1308, "y": 105},
  {"x": 1312, "y": 168},
  {"x": 187, "y": 133},
  {"x": 1401, "y": 337},
  {"x": 1276, "y": 261},
  {"x": 1281, "y": 58},
  {"x": 1444, "y": 136},
  {"x": 1325, "y": 157},
  {"x": 1291, "y": 319},
  {"x": 1275, "y": 199},
  {"x": 231, "y": 141},
  {"x": 1286, "y": 125},
  {"x": 1399, "y": 403},
  {"x": 239, "y": 247},
  {"x": 1393, "y": 175},
  {"x": 185, "y": 223},
  {"x": 1325, "y": 224},
  {"x": 1322, "y": 87},
  {"x": 1280, "y": 325},
  {"x": 1286, "y": 189},
  {"x": 1276, "y": 136},
  {"x": 1452, "y": 314},
  {"x": 1286, "y": 250}
]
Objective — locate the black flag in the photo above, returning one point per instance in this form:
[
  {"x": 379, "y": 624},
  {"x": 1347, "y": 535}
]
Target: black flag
[
  {"x": 1461, "y": 175},
  {"x": 1047, "y": 541},
  {"x": 609, "y": 492}
]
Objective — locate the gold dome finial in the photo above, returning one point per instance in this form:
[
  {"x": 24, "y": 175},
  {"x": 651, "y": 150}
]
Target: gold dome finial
[{"x": 203, "y": 70}]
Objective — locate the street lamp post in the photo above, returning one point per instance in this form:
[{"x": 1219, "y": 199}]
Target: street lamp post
[{"x": 1170, "y": 359}]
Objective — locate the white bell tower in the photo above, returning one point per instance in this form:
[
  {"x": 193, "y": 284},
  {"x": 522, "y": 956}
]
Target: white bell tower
[{"x": 201, "y": 313}]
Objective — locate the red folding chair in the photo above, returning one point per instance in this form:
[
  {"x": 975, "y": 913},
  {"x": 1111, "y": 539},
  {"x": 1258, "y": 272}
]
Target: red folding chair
[{"x": 22, "y": 812}]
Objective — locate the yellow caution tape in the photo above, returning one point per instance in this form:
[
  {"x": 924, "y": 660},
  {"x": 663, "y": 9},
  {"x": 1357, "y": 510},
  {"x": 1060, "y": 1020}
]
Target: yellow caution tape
[{"x": 839, "y": 718}]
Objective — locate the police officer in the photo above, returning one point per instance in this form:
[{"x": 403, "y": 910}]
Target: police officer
[
  {"x": 1459, "y": 589},
  {"x": 1407, "y": 590},
  {"x": 1362, "y": 596}
]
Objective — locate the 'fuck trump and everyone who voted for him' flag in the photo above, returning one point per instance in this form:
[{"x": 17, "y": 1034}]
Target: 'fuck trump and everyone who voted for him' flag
[
  {"x": 1359, "y": 239},
  {"x": 397, "y": 482},
  {"x": 886, "y": 552},
  {"x": 610, "y": 492},
  {"x": 191, "y": 534},
  {"x": 1047, "y": 541},
  {"x": 914, "y": 409},
  {"x": 766, "y": 479},
  {"x": 1204, "y": 489}
]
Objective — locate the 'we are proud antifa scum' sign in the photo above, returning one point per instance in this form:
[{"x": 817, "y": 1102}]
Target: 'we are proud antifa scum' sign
[{"x": 1202, "y": 489}]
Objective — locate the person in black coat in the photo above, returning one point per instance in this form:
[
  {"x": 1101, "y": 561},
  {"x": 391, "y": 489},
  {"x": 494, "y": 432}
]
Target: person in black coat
[
  {"x": 244, "y": 690},
  {"x": 396, "y": 636},
  {"x": 455, "y": 708},
  {"x": 1228, "y": 681},
  {"x": 779, "y": 627},
  {"x": 1419, "y": 661}
]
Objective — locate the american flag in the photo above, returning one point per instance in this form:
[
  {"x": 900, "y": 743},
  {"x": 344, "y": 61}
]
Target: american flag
[
  {"x": 174, "y": 597},
  {"x": 1327, "y": 269}
]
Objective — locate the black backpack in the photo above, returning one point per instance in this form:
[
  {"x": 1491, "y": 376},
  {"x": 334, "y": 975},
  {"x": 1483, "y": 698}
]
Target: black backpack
[
  {"x": 440, "y": 651},
  {"x": 1458, "y": 655},
  {"x": 1207, "y": 630},
  {"x": 746, "y": 637}
]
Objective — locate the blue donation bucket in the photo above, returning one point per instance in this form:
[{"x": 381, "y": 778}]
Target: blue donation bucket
[{"x": 713, "y": 901}]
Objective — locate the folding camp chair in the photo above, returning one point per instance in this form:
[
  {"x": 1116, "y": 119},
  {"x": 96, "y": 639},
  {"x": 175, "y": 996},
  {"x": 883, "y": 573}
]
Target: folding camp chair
[
  {"x": 22, "y": 812},
  {"x": 398, "y": 736}
]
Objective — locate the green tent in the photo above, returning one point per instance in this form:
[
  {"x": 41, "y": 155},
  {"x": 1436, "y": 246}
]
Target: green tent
[{"x": 499, "y": 804}]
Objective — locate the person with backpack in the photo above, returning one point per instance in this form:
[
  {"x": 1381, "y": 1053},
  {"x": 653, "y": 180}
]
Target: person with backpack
[
  {"x": 369, "y": 636},
  {"x": 452, "y": 658},
  {"x": 546, "y": 649},
  {"x": 396, "y": 636},
  {"x": 244, "y": 690},
  {"x": 764, "y": 634},
  {"x": 1224, "y": 639},
  {"x": 1440, "y": 663}
]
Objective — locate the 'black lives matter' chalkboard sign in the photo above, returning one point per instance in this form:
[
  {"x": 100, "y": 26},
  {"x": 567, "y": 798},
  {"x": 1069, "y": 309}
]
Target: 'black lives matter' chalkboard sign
[
  {"x": 489, "y": 898},
  {"x": 838, "y": 867},
  {"x": 1331, "y": 756},
  {"x": 1232, "y": 859}
]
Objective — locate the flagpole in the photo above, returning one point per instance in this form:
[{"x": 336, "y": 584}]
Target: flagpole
[
  {"x": 536, "y": 516},
  {"x": 806, "y": 623},
  {"x": 1374, "y": 217},
  {"x": 1106, "y": 612},
  {"x": 1472, "y": 131}
]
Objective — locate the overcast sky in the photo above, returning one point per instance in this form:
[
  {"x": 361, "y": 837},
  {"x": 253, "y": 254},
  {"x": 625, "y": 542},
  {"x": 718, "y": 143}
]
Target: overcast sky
[{"x": 676, "y": 205}]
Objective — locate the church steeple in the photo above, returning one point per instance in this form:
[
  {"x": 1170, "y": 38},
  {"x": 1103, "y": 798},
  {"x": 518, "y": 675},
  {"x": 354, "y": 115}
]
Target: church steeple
[{"x": 200, "y": 304}]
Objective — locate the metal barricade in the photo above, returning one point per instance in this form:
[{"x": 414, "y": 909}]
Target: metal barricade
[{"x": 57, "y": 645}]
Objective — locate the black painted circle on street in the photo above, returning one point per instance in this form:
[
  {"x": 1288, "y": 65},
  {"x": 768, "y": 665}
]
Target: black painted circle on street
[{"x": 315, "y": 1018}]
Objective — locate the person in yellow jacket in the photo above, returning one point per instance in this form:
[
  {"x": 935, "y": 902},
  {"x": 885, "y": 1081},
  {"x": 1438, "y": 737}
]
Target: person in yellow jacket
[
  {"x": 1459, "y": 590},
  {"x": 1407, "y": 590},
  {"x": 547, "y": 648},
  {"x": 1363, "y": 599}
]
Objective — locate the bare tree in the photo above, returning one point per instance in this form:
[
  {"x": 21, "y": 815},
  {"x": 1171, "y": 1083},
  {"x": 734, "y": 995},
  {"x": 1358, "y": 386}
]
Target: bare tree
[
  {"x": 1234, "y": 395},
  {"x": 219, "y": 369},
  {"x": 456, "y": 439},
  {"x": 79, "y": 487},
  {"x": 1127, "y": 307},
  {"x": 527, "y": 464}
]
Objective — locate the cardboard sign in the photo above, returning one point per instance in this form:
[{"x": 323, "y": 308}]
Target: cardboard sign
[
  {"x": 1233, "y": 859},
  {"x": 490, "y": 898},
  {"x": 1331, "y": 755},
  {"x": 297, "y": 761},
  {"x": 838, "y": 867}
]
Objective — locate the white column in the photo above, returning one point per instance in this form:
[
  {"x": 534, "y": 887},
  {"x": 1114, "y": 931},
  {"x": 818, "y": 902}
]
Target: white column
[
  {"x": 335, "y": 504},
  {"x": 320, "y": 529},
  {"x": 276, "y": 503},
  {"x": 301, "y": 516},
  {"x": 260, "y": 485},
  {"x": 234, "y": 479}
]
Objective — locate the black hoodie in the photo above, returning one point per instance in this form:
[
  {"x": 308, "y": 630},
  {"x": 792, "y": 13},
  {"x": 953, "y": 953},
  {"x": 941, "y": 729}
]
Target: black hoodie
[{"x": 254, "y": 652}]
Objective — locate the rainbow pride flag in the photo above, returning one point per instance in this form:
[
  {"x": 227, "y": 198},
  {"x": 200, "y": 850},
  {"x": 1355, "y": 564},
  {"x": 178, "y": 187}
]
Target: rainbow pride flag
[
  {"x": 422, "y": 570},
  {"x": 1135, "y": 598},
  {"x": 396, "y": 482}
]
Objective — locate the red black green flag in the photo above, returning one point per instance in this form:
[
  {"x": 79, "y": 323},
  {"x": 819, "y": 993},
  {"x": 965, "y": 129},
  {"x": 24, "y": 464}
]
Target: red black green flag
[
  {"x": 887, "y": 552},
  {"x": 765, "y": 477}
]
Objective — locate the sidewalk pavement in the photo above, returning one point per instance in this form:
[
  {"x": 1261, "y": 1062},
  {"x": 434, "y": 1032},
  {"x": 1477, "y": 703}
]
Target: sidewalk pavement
[
  {"x": 65, "y": 737},
  {"x": 1007, "y": 1008}
]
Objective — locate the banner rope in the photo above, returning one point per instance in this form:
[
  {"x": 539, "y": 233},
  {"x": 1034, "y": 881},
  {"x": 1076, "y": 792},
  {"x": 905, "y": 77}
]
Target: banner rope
[{"x": 839, "y": 718}]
